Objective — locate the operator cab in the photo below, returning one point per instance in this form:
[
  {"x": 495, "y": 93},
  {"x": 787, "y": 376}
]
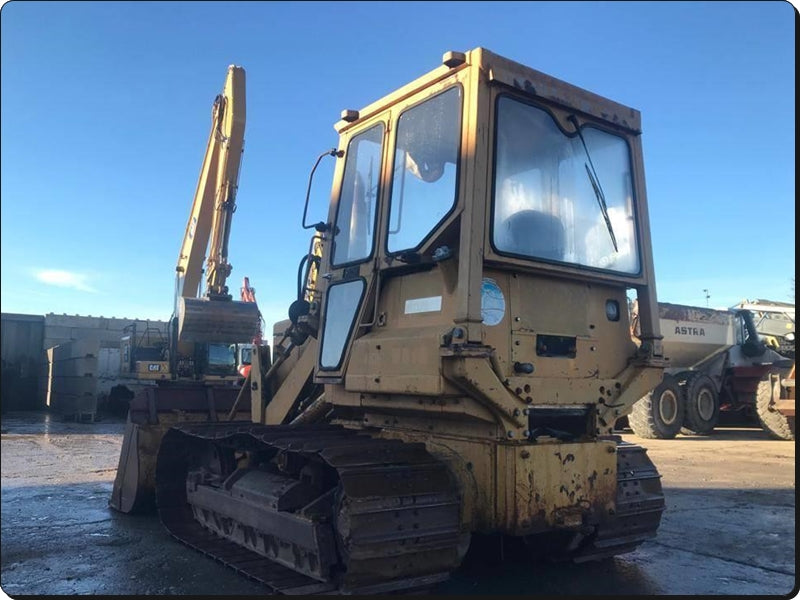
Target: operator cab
[
  {"x": 489, "y": 205},
  {"x": 229, "y": 359}
]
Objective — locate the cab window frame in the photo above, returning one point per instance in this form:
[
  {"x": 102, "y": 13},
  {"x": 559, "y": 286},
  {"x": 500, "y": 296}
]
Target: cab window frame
[
  {"x": 390, "y": 187},
  {"x": 382, "y": 124},
  {"x": 587, "y": 122}
]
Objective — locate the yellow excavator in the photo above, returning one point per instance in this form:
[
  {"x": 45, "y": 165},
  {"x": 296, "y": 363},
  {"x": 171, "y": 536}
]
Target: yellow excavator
[
  {"x": 457, "y": 354},
  {"x": 198, "y": 370}
]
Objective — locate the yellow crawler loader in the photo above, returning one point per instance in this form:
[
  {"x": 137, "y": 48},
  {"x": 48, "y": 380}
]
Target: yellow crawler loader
[{"x": 458, "y": 352}]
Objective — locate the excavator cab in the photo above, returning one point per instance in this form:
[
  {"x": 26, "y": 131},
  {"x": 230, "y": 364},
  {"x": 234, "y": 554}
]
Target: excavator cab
[{"x": 221, "y": 359}]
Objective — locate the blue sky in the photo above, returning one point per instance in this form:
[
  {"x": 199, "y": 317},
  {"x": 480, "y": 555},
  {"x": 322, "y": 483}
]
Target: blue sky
[{"x": 106, "y": 112}]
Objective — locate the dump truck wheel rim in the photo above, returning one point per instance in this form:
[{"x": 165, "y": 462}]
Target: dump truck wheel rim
[
  {"x": 668, "y": 407},
  {"x": 705, "y": 404}
]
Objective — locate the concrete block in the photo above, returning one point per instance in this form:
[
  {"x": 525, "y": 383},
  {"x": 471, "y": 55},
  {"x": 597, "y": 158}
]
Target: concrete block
[
  {"x": 57, "y": 332},
  {"x": 70, "y": 321},
  {"x": 83, "y": 348},
  {"x": 76, "y": 367},
  {"x": 80, "y": 407},
  {"x": 108, "y": 362},
  {"x": 73, "y": 385}
]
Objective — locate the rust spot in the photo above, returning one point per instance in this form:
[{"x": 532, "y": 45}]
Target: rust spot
[
  {"x": 525, "y": 85},
  {"x": 569, "y": 494}
]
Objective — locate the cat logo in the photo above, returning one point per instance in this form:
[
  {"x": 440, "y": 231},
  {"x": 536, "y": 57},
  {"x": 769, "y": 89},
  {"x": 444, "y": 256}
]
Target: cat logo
[{"x": 154, "y": 367}]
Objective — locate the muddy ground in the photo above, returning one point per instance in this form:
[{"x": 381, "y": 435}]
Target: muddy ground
[{"x": 729, "y": 526}]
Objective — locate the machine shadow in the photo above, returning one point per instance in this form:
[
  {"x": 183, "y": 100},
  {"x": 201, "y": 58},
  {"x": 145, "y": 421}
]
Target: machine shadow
[
  {"x": 496, "y": 565},
  {"x": 744, "y": 535}
]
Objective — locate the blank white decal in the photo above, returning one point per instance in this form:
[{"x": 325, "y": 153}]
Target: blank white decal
[{"x": 421, "y": 305}]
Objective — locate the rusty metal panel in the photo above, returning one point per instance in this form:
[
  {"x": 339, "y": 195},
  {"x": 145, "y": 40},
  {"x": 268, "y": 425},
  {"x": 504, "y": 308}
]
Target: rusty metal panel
[
  {"x": 538, "y": 84},
  {"x": 400, "y": 361},
  {"x": 561, "y": 485},
  {"x": 21, "y": 336},
  {"x": 22, "y": 339}
]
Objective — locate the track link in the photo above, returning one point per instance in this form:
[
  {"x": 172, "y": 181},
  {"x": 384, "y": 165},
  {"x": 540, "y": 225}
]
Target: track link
[{"x": 388, "y": 518}]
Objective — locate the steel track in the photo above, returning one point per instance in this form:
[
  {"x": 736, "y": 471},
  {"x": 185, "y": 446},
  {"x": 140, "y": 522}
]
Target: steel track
[{"x": 397, "y": 516}]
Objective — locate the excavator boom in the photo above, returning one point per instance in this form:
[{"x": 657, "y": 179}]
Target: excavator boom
[
  {"x": 210, "y": 332},
  {"x": 215, "y": 317}
]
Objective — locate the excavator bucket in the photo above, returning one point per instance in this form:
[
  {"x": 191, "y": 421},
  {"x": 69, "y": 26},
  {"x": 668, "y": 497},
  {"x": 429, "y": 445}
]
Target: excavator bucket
[
  {"x": 152, "y": 412},
  {"x": 223, "y": 321}
]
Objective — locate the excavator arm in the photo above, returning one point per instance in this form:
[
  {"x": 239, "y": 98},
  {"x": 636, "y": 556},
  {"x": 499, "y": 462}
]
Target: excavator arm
[{"x": 214, "y": 316}]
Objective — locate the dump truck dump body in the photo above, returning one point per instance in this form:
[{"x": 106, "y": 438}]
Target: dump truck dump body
[{"x": 693, "y": 335}]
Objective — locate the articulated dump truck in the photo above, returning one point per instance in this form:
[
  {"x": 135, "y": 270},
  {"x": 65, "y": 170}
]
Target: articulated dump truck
[
  {"x": 457, "y": 355},
  {"x": 717, "y": 362}
]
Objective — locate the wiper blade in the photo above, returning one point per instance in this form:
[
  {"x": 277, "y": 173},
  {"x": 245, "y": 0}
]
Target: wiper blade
[
  {"x": 601, "y": 201},
  {"x": 595, "y": 181}
]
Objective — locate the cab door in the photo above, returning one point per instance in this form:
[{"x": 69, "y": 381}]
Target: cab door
[
  {"x": 397, "y": 194},
  {"x": 350, "y": 264}
]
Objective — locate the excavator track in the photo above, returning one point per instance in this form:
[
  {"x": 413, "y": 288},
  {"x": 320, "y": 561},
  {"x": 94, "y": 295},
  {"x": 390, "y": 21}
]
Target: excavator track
[{"x": 318, "y": 509}]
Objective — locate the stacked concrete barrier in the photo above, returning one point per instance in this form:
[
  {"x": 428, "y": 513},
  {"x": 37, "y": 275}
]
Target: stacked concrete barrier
[{"x": 72, "y": 389}]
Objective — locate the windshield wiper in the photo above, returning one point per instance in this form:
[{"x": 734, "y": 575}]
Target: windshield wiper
[
  {"x": 595, "y": 181},
  {"x": 601, "y": 200}
]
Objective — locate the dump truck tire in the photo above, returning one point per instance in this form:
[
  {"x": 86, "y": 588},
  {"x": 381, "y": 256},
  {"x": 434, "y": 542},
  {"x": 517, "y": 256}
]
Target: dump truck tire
[
  {"x": 702, "y": 405},
  {"x": 773, "y": 422},
  {"x": 659, "y": 414}
]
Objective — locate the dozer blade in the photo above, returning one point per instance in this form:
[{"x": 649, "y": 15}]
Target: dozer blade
[
  {"x": 152, "y": 412},
  {"x": 220, "y": 321},
  {"x": 133, "y": 490}
]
